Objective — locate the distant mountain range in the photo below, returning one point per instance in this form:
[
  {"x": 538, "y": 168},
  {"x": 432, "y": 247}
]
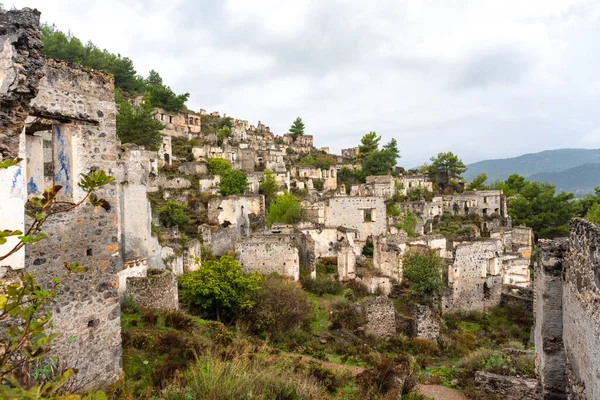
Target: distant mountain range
[{"x": 571, "y": 170}]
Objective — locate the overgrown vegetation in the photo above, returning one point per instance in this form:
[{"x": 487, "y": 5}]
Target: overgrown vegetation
[
  {"x": 219, "y": 289},
  {"x": 423, "y": 271},
  {"x": 284, "y": 209}
]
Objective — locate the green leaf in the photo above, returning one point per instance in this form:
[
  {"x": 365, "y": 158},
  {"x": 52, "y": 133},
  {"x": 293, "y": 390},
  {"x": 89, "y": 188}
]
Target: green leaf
[
  {"x": 9, "y": 163},
  {"x": 94, "y": 180}
]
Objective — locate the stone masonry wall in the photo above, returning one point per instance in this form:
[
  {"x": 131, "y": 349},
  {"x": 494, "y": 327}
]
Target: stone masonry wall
[
  {"x": 86, "y": 307},
  {"x": 268, "y": 254},
  {"x": 500, "y": 387},
  {"x": 380, "y": 316},
  {"x": 156, "y": 291},
  {"x": 548, "y": 312},
  {"x": 475, "y": 278},
  {"x": 349, "y": 212},
  {"x": 581, "y": 310}
]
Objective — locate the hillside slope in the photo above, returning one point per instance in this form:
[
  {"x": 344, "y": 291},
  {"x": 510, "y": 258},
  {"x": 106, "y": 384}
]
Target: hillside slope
[
  {"x": 579, "y": 180},
  {"x": 534, "y": 163}
]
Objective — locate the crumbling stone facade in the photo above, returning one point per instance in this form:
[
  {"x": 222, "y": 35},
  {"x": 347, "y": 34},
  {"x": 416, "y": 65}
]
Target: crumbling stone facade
[
  {"x": 581, "y": 314},
  {"x": 567, "y": 319},
  {"x": 283, "y": 253},
  {"x": 426, "y": 323},
  {"x": 494, "y": 386},
  {"x": 475, "y": 276},
  {"x": 156, "y": 291},
  {"x": 380, "y": 316},
  {"x": 548, "y": 309},
  {"x": 76, "y": 106}
]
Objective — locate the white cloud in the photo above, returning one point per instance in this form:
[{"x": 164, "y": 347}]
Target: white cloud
[{"x": 483, "y": 78}]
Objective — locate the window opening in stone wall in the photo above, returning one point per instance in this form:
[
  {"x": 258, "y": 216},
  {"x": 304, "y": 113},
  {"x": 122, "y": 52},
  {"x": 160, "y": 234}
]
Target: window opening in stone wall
[
  {"x": 486, "y": 291},
  {"x": 484, "y": 199},
  {"x": 484, "y": 211},
  {"x": 49, "y": 160},
  {"x": 162, "y": 117},
  {"x": 170, "y": 119},
  {"x": 89, "y": 252},
  {"x": 368, "y": 215}
]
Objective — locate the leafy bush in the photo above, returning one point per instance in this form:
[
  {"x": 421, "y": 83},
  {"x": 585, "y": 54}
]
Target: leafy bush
[
  {"x": 423, "y": 271},
  {"x": 408, "y": 223},
  {"x": 218, "y": 166},
  {"x": 173, "y": 213},
  {"x": 322, "y": 284},
  {"x": 284, "y": 209},
  {"x": 233, "y": 183},
  {"x": 149, "y": 318},
  {"x": 345, "y": 315},
  {"x": 280, "y": 306},
  {"x": 219, "y": 288},
  {"x": 165, "y": 372},
  {"x": 179, "y": 320}
]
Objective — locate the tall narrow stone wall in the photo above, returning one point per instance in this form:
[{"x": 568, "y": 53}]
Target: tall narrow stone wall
[
  {"x": 548, "y": 311},
  {"x": 567, "y": 314},
  {"x": 581, "y": 310}
]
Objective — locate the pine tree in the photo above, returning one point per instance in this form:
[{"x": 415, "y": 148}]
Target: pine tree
[{"x": 297, "y": 128}]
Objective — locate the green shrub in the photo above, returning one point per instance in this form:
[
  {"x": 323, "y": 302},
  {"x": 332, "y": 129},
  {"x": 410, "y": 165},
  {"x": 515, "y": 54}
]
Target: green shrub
[
  {"x": 345, "y": 315},
  {"x": 179, "y": 320},
  {"x": 173, "y": 214},
  {"x": 141, "y": 340},
  {"x": 423, "y": 271},
  {"x": 218, "y": 166},
  {"x": 220, "y": 288},
  {"x": 233, "y": 183},
  {"x": 284, "y": 209},
  {"x": 280, "y": 307},
  {"x": 322, "y": 284}
]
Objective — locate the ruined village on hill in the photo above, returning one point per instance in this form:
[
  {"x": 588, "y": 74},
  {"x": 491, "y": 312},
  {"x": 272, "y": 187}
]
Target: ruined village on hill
[{"x": 60, "y": 120}]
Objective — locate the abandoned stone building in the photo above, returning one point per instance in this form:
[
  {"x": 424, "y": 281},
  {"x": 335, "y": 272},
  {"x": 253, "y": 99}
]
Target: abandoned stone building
[{"x": 71, "y": 112}]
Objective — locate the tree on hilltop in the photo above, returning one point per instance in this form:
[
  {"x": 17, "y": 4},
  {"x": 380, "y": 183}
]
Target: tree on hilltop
[
  {"x": 162, "y": 96},
  {"x": 445, "y": 168},
  {"x": 297, "y": 128},
  {"x": 478, "y": 182},
  {"x": 137, "y": 124},
  {"x": 377, "y": 161},
  {"x": 368, "y": 144}
]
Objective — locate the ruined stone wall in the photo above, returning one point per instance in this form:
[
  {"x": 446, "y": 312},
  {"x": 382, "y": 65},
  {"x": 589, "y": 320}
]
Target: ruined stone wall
[
  {"x": 388, "y": 251},
  {"x": 426, "y": 323},
  {"x": 380, "y": 316},
  {"x": 21, "y": 68},
  {"x": 353, "y": 213},
  {"x": 494, "y": 386},
  {"x": 87, "y": 306},
  {"x": 241, "y": 212},
  {"x": 136, "y": 165},
  {"x": 475, "y": 277},
  {"x": 268, "y": 254},
  {"x": 156, "y": 291},
  {"x": 581, "y": 311},
  {"x": 220, "y": 240}
]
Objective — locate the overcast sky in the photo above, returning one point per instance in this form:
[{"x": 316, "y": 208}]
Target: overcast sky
[{"x": 484, "y": 79}]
